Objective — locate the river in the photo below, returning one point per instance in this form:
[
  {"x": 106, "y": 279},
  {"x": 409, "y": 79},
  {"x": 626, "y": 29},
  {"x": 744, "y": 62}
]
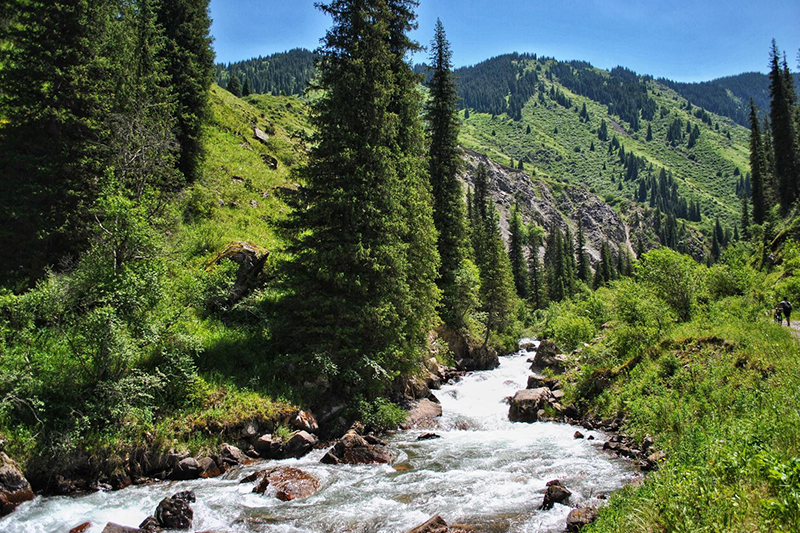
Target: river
[{"x": 485, "y": 472}]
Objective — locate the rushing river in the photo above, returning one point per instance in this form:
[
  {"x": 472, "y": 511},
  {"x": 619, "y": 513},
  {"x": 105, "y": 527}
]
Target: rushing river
[{"x": 485, "y": 471}]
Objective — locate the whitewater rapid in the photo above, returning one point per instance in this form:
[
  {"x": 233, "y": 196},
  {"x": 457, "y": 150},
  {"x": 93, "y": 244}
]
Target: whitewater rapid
[{"x": 485, "y": 472}]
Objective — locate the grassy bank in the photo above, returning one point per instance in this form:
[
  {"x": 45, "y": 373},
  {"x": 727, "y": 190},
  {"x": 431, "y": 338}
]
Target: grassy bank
[{"x": 691, "y": 357}]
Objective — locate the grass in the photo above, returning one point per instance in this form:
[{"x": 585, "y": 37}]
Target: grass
[{"x": 718, "y": 393}]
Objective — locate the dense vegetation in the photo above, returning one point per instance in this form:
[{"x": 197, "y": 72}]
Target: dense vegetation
[{"x": 124, "y": 317}]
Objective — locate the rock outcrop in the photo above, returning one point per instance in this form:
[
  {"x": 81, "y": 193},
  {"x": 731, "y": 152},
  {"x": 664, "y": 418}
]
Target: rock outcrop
[
  {"x": 469, "y": 353},
  {"x": 250, "y": 274},
  {"x": 14, "y": 488},
  {"x": 423, "y": 414},
  {"x": 437, "y": 524}
]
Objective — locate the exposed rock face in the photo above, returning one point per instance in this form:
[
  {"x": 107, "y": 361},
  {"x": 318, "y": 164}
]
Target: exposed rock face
[
  {"x": 556, "y": 493},
  {"x": 353, "y": 449},
  {"x": 289, "y": 483},
  {"x": 305, "y": 421},
  {"x": 298, "y": 445},
  {"x": 548, "y": 207},
  {"x": 231, "y": 455},
  {"x": 578, "y": 518},
  {"x": 209, "y": 468},
  {"x": 14, "y": 488},
  {"x": 526, "y": 404}
]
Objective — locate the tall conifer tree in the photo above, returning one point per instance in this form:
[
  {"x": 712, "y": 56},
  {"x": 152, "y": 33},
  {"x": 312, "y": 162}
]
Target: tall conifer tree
[
  {"x": 516, "y": 253},
  {"x": 444, "y": 160},
  {"x": 758, "y": 170},
  {"x": 536, "y": 289},
  {"x": 784, "y": 130},
  {"x": 189, "y": 62},
  {"x": 361, "y": 293}
]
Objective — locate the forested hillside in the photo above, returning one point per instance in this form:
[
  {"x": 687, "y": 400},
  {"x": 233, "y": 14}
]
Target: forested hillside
[{"x": 286, "y": 73}]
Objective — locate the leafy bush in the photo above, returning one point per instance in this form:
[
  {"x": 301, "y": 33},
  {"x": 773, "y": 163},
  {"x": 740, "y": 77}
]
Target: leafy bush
[
  {"x": 380, "y": 414},
  {"x": 677, "y": 279}
]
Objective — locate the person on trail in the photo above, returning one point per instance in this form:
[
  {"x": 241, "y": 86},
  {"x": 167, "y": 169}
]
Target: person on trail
[
  {"x": 787, "y": 310},
  {"x": 778, "y": 314}
]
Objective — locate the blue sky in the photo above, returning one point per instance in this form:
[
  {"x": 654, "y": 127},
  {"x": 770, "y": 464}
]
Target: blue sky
[{"x": 684, "y": 41}]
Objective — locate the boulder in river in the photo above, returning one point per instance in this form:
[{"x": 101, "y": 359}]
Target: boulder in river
[
  {"x": 289, "y": 483},
  {"x": 526, "y": 404},
  {"x": 556, "y": 493},
  {"x": 231, "y": 455},
  {"x": 14, "y": 488},
  {"x": 423, "y": 414},
  {"x": 437, "y": 524},
  {"x": 209, "y": 468},
  {"x": 185, "y": 470},
  {"x": 111, "y": 527},
  {"x": 352, "y": 449},
  {"x": 81, "y": 528},
  {"x": 299, "y": 444},
  {"x": 579, "y": 518},
  {"x": 548, "y": 356},
  {"x": 175, "y": 512}
]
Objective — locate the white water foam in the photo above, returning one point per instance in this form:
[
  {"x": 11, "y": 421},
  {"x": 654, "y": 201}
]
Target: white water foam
[{"x": 485, "y": 471}]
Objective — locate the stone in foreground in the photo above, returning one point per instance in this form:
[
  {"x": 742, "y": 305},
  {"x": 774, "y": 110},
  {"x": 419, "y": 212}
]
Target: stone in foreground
[
  {"x": 289, "y": 483},
  {"x": 579, "y": 518},
  {"x": 526, "y": 404}
]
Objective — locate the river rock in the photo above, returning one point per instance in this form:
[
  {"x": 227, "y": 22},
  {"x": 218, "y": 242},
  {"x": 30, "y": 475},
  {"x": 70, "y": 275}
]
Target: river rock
[
  {"x": 151, "y": 525},
  {"x": 578, "y": 435},
  {"x": 556, "y": 493},
  {"x": 111, "y": 527},
  {"x": 526, "y": 404},
  {"x": 14, "y": 488},
  {"x": 185, "y": 470},
  {"x": 527, "y": 346},
  {"x": 548, "y": 356},
  {"x": 579, "y": 518},
  {"x": 82, "y": 528},
  {"x": 299, "y": 444},
  {"x": 175, "y": 512},
  {"x": 438, "y": 525},
  {"x": 352, "y": 449},
  {"x": 209, "y": 468},
  {"x": 429, "y": 436},
  {"x": 289, "y": 483},
  {"x": 305, "y": 421},
  {"x": 267, "y": 447},
  {"x": 423, "y": 414},
  {"x": 537, "y": 380},
  {"x": 231, "y": 455}
]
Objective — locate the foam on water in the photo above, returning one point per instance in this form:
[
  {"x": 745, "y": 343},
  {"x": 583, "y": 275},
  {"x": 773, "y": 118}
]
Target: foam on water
[{"x": 485, "y": 471}]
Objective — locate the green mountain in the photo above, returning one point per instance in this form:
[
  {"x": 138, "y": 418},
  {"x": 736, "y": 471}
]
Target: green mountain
[
  {"x": 580, "y": 125},
  {"x": 282, "y": 73},
  {"x": 729, "y": 96}
]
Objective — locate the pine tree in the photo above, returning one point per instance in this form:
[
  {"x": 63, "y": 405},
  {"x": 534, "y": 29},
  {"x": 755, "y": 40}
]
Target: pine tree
[
  {"x": 649, "y": 133},
  {"x": 583, "y": 269},
  {"x": 56, "y": 91},
  {"x": 784, "y": 131},
  {"x": 758, "y": 170},
  {"x": 360, "y": 287},
  {"x": 234, "y": 86},
  {"x": 189, "y": 62},
  {"x": 537, "y": 290},
  {"x": 745, "y": 218},
  {"x": 516, "y": 253},
  {"x": 603, "y": 132},
  {"x": 441, "y": 117},
  {"x": 497, "y": 280},
  {"x": 246, "y": 87}
]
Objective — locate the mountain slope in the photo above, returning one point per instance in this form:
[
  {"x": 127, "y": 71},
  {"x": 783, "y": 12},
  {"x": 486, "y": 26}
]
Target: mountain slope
[{"x": 565, "y": 144}]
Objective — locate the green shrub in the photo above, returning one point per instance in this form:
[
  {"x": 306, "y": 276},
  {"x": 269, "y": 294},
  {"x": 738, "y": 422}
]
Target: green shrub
[{"x": 380, "y": 414}]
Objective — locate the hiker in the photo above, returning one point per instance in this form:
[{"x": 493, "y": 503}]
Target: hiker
[
  {"x": 787, "y": 310},
  {"x": 778, "y": 314}
]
